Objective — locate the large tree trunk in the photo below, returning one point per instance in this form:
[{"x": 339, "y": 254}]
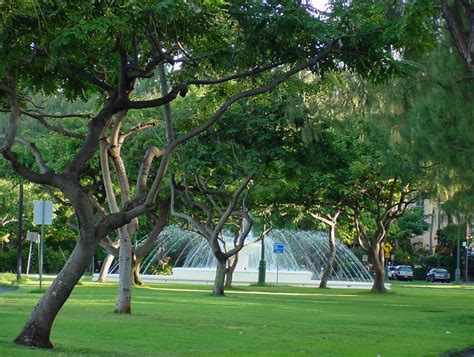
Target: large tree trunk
[
  {"x": 331, "y": 257},
  {"x": 218, "y": 289},
  {"x": 37, "y": 329},
  {"x": 124, "y": 298},
  {"x": 104, "y": 270},
  {"x": 378, "y": 260}
]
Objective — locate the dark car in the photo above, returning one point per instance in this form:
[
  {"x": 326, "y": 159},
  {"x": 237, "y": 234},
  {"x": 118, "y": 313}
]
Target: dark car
[{"x": 438, "y": 274}]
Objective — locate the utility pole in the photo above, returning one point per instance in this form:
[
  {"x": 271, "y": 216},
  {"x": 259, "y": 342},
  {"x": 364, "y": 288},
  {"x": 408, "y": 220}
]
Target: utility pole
[{"x": 20, "y": 231}]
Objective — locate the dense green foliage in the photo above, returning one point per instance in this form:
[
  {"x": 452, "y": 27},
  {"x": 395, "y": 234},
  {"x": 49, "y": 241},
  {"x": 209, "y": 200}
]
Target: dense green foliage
[{"x": 439, "y": 123}]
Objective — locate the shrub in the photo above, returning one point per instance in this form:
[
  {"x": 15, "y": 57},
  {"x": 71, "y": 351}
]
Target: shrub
[
  {"x": 162, "y": 267},
  {"x": 7, "y": 279},
  {"x": 53, "y": 261},
  {"x": 420, "y": 273},
  {"x": 7, "y": 260}
]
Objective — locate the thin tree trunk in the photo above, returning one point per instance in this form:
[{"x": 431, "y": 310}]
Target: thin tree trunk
[
  {"x": 137, "y": 280},
  {"x": 37, "y": 329},
  {"x": 378, "y": 261},
  {"x": 144, "y": 249},
  {"x": 218, "y": 289},
  {"x": 124, "y": 298},
  {"x": 331, "y": 257},
  {"x": 104, "y": 270},
  {"x": 230, "y": 271}
]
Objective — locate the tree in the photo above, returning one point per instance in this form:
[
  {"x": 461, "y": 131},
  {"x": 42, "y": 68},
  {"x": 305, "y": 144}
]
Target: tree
[
  {"x": 458, "y": 17},
  {"x": 84, "y": 49},
  {"x": 330, "y": 221},
  {"x": 216, "y": 208}
]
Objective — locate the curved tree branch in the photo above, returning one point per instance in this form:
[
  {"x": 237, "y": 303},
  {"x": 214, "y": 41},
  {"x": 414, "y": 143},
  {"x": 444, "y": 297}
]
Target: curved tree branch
[{"x": 33, "y": 149}]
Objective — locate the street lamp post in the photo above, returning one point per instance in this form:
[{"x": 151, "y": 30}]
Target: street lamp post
[
  {"x": 457, "y": 272},
  {"x": 262, "y": 265}
]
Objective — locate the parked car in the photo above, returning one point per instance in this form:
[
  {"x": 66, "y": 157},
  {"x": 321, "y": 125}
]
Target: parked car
[
  {"x": 391, "y": 272},
  {"x": 438, "y": 274},
  {"x": 404, "y": 272}
]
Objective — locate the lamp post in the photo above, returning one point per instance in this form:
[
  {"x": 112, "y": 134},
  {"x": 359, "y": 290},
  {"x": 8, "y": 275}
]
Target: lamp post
[
  {"x": 262, "y": 265},
  {"x": 457, "y": 272}
]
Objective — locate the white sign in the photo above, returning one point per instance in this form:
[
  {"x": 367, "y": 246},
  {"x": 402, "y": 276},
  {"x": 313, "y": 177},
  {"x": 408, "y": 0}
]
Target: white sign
[
  {"x": 43, "y": 212},
  {"x": 33, "y": 237}
]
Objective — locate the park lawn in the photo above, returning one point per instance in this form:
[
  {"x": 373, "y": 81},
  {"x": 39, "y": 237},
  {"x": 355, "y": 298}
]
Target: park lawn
[{"x": 177, "y": 320}]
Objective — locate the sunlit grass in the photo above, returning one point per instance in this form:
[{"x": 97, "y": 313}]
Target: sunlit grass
[{"x": 177, "y": 320}]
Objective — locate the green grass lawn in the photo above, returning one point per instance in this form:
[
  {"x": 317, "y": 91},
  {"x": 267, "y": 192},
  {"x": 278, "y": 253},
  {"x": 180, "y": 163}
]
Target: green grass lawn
[{"x": 177, "y": 320}]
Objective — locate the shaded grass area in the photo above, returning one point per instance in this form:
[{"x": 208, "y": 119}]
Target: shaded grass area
[{"x": 180, "y": 320}]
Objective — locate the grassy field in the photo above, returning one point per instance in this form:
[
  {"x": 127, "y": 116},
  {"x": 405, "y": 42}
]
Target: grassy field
[{"x": 177, "y": 320}]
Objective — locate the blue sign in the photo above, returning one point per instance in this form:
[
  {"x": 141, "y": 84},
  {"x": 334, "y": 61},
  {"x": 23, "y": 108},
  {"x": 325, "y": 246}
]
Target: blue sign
[{"x": 278, "y": 248}]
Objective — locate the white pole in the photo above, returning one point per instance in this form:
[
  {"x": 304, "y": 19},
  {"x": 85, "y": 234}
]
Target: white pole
[
  {"x": 42, "y": 245},
  {"x": 29, "y": 260}
]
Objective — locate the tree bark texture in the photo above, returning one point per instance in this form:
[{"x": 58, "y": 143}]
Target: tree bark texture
[
  {"x": 230, "y": 270},
  {"x": 378, "y": 261},
  {"x": 331, "y": 257},
  {"x": 104, "y": 270},
  {"x": 124, "y": 298},
  {"x": 137, "y": 279},
  {"x": 37, "y": 329},
  {"x": 218, "y": 289}
]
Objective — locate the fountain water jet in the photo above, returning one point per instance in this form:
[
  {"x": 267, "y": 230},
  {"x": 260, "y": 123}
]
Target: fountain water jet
[{"x": 302, "y": 262}]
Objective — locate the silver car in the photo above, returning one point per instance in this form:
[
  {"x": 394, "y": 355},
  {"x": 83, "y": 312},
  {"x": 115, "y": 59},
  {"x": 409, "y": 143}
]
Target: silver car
[
  {"x": 404, "y": 272},
  {"x": 391, "y": 272}
]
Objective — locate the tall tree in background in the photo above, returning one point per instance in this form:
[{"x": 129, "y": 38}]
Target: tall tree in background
[{"x": 459, "y": 17}]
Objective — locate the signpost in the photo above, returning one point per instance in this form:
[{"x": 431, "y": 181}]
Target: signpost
[
  {"x": 387, "y": 249},
  {"x": 278, "y": 248},
  {"x": 33, "y": 237},
  {"x": 43, "y": 215}
]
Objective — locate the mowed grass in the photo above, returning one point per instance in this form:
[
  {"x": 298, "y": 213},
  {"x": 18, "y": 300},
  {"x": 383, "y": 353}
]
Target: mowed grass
[{"x": 178, "y": 320}]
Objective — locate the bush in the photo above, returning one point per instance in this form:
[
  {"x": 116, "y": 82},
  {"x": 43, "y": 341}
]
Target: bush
[
  {"x": 8, "y": 279},
  {"x": 162, "y": 267},
  {"x": 420, "y": 273},
  {"x": 53, "y": 261},
  {"x": 7, "y": 260}
]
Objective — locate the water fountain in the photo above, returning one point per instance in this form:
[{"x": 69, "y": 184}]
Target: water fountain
[{"x": 301, "y": 263}]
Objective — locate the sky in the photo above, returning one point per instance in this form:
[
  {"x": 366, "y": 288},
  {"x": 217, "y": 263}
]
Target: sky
[{"x": 319, "y": 4}]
